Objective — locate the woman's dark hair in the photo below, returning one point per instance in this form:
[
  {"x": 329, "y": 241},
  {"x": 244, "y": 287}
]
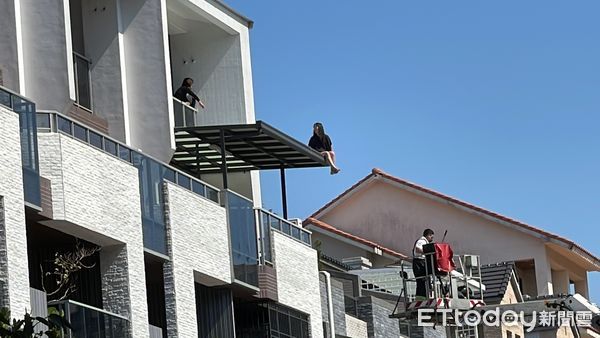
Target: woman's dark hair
[
  {"x": 427, "y": 232},
  {"x": 320, "y": 128},
  {"x": 185, "y": 82}
]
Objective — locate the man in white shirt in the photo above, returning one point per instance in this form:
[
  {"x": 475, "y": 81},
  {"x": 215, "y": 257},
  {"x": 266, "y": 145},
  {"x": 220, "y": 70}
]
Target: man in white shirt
[{"x": 419, "y": 263}]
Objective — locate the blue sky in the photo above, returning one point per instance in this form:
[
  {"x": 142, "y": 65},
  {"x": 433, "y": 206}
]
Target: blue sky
[{"x": 494, "y": 102}]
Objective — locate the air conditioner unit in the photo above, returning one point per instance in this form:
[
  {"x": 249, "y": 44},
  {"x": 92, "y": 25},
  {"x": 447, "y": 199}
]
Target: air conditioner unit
[{"x": 296, "y": 221}]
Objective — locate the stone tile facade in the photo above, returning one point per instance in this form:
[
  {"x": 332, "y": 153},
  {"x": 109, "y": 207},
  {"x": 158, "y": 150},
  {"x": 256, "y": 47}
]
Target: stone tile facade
[
  {"x": 14, "y": 273},
  {"x": 298, "y": 279},
  {"x": 198, "y": 242},
  {"x": 96, "y": 197}
]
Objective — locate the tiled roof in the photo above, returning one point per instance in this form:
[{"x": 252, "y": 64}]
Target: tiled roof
[
  {"x": 378, "y": 172},
  {"x": 337, "y": 231},
  {"x": 496, "y": 278}
]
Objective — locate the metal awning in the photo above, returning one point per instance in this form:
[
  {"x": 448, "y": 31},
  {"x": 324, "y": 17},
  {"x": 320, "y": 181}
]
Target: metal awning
[
  {"x": 257, "y": 146},
  {"x": 241, "y": 147}
]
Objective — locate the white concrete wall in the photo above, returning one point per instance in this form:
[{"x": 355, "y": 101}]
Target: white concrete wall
[
  {"x": 11, "y": 188},
  {"x": 47, "y": 54},
  {"x": 356, "y": 328},
  {"x": 297, "y": 271},
  {"x": 395, "y": 218},
  {"x": 199, "y": 253},
  {"x": 104, "y": 46},
  {"x": 9, "y": 53},
  {"x": 217, "y": 71},
  {"x": 148, "y": 97},
  {"x": 96, "y": 197}
]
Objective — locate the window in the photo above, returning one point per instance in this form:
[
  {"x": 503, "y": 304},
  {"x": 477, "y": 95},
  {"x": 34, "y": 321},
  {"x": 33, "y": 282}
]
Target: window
[
  {"x": 288, "y": 323},
  {"x": 467, "y": 332}
]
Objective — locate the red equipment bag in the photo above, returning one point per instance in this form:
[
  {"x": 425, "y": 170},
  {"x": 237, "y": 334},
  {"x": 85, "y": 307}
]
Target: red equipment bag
[{"x": 443, "y": 257}]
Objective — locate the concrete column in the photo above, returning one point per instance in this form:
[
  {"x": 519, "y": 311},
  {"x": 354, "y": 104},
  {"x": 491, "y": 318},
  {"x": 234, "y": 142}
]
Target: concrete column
[
  {"x": 543, "y": 276},
  {"x": 560, "y": 281},
  {"x": 581, "y": 287}
]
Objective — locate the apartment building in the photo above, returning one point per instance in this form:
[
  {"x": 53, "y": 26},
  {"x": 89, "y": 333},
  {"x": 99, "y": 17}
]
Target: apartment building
[{"x": 164, "y": 199}]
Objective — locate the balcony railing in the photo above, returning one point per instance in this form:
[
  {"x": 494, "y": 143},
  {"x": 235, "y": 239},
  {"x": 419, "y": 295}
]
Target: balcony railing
[
  {"x": 242, "y": 229},
  {"x": 152, "y": 174},
  {"x": 29, "y": 146},
  {"x": 246, "y": 224},
  {"x": 88, "y": 321},
  {"x": 53, "y": 122},
  {"x": 83, "y": 80},
  {"x": 286, "y": 227},
  {"x": 185, "y": 115}
]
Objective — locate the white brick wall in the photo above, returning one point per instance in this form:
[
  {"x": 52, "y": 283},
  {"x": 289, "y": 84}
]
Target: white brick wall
[
  {"x": 199, "y": 251},
  {"x": 11, "y": 188},
  {"x": 356, "y": 328},
  {"x": 98, "y": 195},
  {"x": 298, "y": 279}
]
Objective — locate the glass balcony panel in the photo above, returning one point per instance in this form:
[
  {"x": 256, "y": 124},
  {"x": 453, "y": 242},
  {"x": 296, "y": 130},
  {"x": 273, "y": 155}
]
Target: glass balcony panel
[
  {"x": 199, "y": 188},
  {"x": 184, "y": 181},
  {"x": 80, "y": 132},
  {"x": 64, "y": 125},
  {"x": 243, "y": 238},
  {"x": 212, "y": 194},
  {"x": 110, "y": 147},
  {"x": 169, "y": 175},
  {"x": 96, "y": 140}
]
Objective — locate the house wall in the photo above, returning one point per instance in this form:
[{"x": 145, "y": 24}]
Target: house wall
[
  {"x": 47, "y": 58},
  {"x": 148, "y": 94},
  {"x": 10, "y": 26},
  {"x": 14, "y": 271},
  {"x": 395, "y": 218},
  {"x": 356, "y": 328},
  {"x": 96, "y": 197},
  {"x": 104, "y": 45},
  {"x": 297, "y": 271},
  {"x": 199, "y": 250}
]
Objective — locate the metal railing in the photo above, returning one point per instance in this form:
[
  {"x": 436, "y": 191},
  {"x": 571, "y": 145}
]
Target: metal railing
[
  {"x": 288, "y": 228},
  {"x": 185, "y": 115},
  {"x": 385, "y": 280},
  {"x": 55, "y": 122},
  {"x": 83, "y": 80},
  {"x": 457, "y": 284},
  {"x": 29, "y": 148},
  {"x": 88, "y": 321}
]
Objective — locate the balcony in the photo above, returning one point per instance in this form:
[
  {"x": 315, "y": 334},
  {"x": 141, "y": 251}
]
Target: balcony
[
  {"x": 29, "y": 146},
  {"x": 88, "y": 321},
  {"x": 246, "y": 225},
  {"x": 185, "y": 115},
  {"x": 151, "y": 174}
]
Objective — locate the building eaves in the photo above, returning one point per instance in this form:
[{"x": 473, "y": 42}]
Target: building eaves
[
  {"x": 232, "y": 12},
  {"x": 352, "y": 237},
  {"x": 376, "y": 172}
]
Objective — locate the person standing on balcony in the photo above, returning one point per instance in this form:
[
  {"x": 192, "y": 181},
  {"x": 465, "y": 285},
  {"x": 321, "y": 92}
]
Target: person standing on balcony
[
  {"x": 419, "y": 265},
  {"x": 322, "y": 143},
  {"x": 186, "y": 95}
]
